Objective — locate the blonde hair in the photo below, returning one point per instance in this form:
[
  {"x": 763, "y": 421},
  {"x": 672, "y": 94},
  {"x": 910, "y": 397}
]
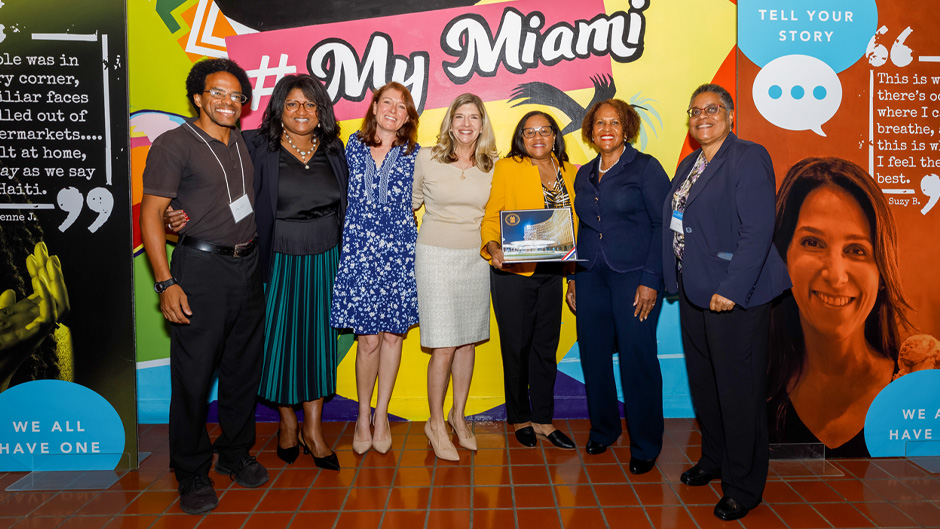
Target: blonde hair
[{"x": 485, "y": 154}]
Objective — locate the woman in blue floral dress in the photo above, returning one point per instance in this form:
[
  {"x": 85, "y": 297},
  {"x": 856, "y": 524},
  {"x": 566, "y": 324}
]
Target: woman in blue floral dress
[{"x": 375, "y": 293}]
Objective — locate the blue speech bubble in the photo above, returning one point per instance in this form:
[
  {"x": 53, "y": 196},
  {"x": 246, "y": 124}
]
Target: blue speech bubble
[
  {"x": 834, "y": 31},
  {"x": 57, "y": 425},
  {"x": 904, "y": 419}
]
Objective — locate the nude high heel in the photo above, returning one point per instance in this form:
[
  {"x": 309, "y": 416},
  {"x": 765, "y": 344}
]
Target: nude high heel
[
  {"x": 470, "y": 441},
  {"x": 384, "y": 445},
  {"x": 440, "y": 442},
  {"x": 361, "y": 446}
]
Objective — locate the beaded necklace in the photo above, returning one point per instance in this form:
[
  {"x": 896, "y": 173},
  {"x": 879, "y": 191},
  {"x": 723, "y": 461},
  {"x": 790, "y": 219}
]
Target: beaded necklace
[{"x": 303, "y": 154}]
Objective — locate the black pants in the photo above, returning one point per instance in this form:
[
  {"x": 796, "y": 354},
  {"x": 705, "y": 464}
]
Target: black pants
[
  {"x": 606, "y": 324},
  {"x": 726, "y": 357},
  {"x": 528, "y": 313},
  {"x": 226, "y": 333}
]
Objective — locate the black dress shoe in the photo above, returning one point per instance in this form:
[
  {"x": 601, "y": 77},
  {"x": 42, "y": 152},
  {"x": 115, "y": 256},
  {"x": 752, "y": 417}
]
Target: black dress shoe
[
  {"x": 594, "y": 448},
  {"x": 697, "y": 476},
  {"x": 729, "y": 509},
  {"x": 526, "y": 436},
  {"x": 641, "y": 466},
  {"x": 287, "y": 455},
  {"x": 560, "y": 440}
]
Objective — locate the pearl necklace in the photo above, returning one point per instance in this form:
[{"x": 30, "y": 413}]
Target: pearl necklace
[
  {"x": 303, "y": 154},
  {"x": 602, "y": 171}
]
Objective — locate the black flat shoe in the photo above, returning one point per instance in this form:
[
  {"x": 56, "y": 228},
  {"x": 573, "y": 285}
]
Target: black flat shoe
[
  {"x": 641, "y": 466},
  {"x": 329, "y": 462},
  {"x": 287, "y": 455},
  {"x": 697, "y": 476},
  {"x": 526, "y": 436},
  {"x": 594, "y": 448},
  {"x": 729, "y": 509},
  {"x": 560, "y": 440}
]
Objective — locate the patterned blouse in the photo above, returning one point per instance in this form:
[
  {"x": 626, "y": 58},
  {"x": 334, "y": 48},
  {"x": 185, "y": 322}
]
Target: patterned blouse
[
  {"x": 679, "y": 199},
  {"x": 557, "y": 196}
]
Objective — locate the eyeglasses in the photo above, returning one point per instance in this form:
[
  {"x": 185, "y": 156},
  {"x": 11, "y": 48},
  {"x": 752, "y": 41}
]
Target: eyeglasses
[
  {"x": 541, "y": 131},
  {"x": 236, "y": 97},
  {"x": 293, "y": 105},
  {"x": 710, "y": 110}
]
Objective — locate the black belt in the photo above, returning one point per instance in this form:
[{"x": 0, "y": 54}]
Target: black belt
[{"x": 239, "y": 250}]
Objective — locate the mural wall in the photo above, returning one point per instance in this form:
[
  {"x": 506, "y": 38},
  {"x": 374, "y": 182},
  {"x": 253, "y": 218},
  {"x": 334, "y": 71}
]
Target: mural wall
[
  {"x": 518, "y": 56},
  {"x": 852, "y": 83}
]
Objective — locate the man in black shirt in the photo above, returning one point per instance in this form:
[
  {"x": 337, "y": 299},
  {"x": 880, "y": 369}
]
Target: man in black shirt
[{"x": 212, "y": 293}]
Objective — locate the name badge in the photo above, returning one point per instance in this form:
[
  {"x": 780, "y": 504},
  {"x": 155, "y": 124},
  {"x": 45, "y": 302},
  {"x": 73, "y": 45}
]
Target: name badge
[
  {"x": 676, "y": 223},
  {"x": 241, "y": 208}
]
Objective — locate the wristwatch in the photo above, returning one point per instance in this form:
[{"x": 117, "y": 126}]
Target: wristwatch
[{"x": 160, "y": 286}]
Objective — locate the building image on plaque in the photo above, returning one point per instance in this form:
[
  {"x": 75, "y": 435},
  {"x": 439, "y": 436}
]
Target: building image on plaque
[{"x": 537, "y": 235}]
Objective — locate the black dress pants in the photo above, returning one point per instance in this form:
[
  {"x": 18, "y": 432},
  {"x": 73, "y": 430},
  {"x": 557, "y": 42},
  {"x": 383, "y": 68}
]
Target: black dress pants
[
  {"x": 226, "y": 333},
  {"x": 726, "y": 357},
  {"x": 606, "y": 324},
  {"x": 528, "y": 314}
]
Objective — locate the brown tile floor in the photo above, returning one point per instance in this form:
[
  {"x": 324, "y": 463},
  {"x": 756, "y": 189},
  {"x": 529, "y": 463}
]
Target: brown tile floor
[{"x": 501, "y": 486}]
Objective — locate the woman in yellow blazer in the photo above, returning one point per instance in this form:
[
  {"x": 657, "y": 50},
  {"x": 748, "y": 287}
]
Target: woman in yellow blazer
[{"x": 527, "y": 297}]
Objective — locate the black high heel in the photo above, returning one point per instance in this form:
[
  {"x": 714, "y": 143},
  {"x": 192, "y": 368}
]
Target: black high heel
[
  {"x": 287, "y": 455},
  {"x": 330, "y": 462}
]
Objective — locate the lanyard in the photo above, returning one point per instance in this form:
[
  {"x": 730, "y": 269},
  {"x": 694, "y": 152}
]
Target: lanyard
[{"x": 225, "y": 174}]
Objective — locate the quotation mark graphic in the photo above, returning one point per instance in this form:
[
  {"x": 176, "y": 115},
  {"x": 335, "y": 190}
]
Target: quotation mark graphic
[
  {"x": 101, "y": 202},
  {"x": 900, "y": 54},
  {"x": 71, "y": 201},
  {"x": 930, "y": 185}
]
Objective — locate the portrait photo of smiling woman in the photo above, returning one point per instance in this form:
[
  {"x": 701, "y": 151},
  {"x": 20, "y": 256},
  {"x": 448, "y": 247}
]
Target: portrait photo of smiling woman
[{"x": 836, "y": 342}]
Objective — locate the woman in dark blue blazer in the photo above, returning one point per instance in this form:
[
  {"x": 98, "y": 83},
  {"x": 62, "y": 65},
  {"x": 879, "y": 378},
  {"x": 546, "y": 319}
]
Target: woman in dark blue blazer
[
  {"x": 718, "y": 255},
  {"x": 618, "y": 198}
]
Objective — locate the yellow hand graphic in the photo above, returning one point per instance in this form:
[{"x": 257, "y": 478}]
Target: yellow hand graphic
[
  {"x": 40, "y": 264},
  {"x": 24, "y": 324}
]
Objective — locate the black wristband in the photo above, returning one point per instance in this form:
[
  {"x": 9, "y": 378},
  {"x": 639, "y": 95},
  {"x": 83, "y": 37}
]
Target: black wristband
[{"x": 160, "y": 286}]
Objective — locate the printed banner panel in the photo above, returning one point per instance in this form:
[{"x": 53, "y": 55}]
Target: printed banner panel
[
  {"x": 66, "y": 308},
  {"x": 844, "y": 94}
]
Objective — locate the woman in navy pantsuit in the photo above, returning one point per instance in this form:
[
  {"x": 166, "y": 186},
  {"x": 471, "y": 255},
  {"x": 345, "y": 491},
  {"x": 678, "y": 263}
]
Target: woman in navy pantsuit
[
  {"x": 618, "y": 199},
  {"x": 717, "y": 253}
]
